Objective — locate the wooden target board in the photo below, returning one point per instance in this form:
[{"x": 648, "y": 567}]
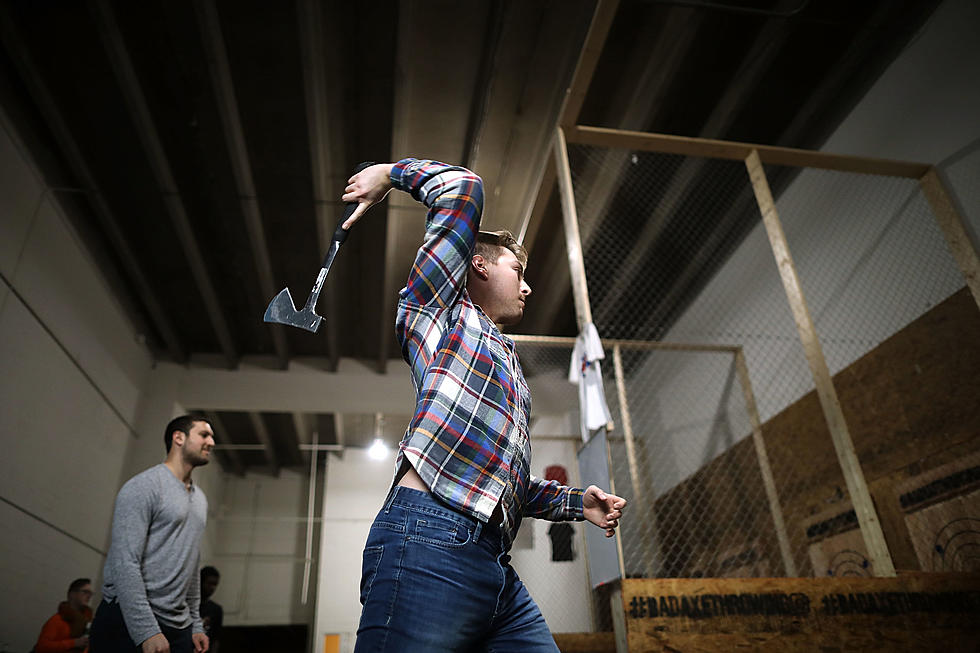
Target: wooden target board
[{"x": 922, "y": 612}]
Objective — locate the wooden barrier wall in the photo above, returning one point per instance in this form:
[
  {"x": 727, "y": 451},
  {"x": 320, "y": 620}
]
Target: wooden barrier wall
[
  {"x": 912, "y": 405},
  {"x": 920, "y": 612}
]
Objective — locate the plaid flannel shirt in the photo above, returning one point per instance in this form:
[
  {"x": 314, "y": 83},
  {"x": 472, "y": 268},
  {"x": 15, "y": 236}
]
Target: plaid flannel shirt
[{"x": 468, "y": 439}]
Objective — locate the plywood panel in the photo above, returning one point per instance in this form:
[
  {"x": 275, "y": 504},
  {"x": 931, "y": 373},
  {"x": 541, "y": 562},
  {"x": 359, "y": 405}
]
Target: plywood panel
[
  {"x": 935, "y": 612},
  {"x": 586, "y": 642}
]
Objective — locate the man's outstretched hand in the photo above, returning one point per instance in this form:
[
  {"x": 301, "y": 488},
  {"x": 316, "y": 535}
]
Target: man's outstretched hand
[
  {"x": 603, "y": 509},
  {"x": 367, "y": 187}
]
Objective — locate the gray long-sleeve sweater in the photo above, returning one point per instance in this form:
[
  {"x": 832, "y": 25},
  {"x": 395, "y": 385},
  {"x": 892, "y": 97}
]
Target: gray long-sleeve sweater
[{"x": 152, "y": 566}]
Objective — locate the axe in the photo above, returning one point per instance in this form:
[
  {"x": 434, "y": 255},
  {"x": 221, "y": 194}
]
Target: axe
[{"x": 282, "y": 310}]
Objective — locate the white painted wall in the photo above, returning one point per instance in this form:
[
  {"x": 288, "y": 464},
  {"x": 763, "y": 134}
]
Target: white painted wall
[
  {"x": 356, "y": 487},
  {"x": 258, "y": 531},
  {"x": 561, "y": 589}
]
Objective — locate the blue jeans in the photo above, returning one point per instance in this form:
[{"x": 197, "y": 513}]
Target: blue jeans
[{"x": 434, "y": 580}]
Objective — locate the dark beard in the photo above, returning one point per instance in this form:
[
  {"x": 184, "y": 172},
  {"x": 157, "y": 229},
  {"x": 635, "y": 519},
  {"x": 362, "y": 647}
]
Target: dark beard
[{"x": 195, "y": 460}]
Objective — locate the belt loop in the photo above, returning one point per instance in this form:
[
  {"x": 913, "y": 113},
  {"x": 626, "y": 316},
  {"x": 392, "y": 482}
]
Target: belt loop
[
  {"x": 477, "y": 531},
  {"x": 391, "y": 497}
]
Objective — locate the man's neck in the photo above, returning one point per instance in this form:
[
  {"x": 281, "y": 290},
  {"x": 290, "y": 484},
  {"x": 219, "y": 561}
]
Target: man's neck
[{"x": 180, "y": 469}]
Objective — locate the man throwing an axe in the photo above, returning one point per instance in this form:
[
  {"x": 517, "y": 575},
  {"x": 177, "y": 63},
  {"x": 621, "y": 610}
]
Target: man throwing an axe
[{"x": 436, "y": 573}]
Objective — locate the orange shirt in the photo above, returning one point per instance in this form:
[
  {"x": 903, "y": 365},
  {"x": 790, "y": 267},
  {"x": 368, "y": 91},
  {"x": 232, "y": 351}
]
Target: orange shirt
[{"x": 56, "y": 637}]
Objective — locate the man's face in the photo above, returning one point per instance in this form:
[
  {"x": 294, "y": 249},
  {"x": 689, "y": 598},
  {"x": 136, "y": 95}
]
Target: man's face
[
  {"x": 196, "y": 450},
  {"x": 80, "y": 598},
  {"x": 507, "y": 291},
  {"x": 210, "y": 584}
]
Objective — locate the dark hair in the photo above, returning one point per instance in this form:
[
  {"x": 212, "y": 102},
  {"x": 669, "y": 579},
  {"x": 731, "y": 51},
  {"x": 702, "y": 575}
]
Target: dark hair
[
  {"x": 208, "y": 572},
  {"x": 183, "y": 423},
  {"x": 78, "y": 584}
]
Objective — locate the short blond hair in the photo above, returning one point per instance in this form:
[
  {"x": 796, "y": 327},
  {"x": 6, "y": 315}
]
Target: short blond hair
[{"x": 489, "y": 242}]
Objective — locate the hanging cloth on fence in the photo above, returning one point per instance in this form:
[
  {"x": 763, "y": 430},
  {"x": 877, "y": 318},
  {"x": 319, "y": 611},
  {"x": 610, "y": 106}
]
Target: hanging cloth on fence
[{"x": 585, "y": 370}]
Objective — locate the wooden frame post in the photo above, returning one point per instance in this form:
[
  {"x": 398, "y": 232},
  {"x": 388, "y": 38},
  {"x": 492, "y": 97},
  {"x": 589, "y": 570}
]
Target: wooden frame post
[
  {"x": 573, "y": 241},
  {"x": 644, "y": 503},
  {"x": 765, "y": 469},
  {"x": 952, "y": 225},
  {"x": 857, "y": 487}
]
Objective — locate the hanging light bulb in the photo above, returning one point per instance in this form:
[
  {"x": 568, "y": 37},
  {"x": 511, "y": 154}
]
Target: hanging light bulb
[{"x": 378, "y": 450}]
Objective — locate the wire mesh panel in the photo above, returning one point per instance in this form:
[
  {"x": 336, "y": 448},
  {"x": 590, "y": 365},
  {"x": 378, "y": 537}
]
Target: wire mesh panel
[
  {"x": 721, "y": 443},
  {"x": 870, "y": 256},
  {"x": 699, "y": 504},
  {"x": 962, "y": 171},
  {"x": 690, "y": 263},
  {"x": 551, "y": 558},
  {"x": 676, "y": 252}
]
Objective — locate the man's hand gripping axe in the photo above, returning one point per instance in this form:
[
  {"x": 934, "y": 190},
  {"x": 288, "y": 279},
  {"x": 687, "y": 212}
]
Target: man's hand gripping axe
[{"x": 282, "y": 310}]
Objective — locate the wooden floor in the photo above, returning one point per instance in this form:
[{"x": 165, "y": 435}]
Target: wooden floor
[{"x": 586, "y": 642}]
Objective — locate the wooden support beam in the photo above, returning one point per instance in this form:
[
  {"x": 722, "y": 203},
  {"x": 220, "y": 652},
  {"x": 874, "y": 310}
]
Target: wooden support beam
[
  {"x": 56, "y": 122},
  {"x": 643, "y": 504},
  {"x": 595, "y": 41},
  {"x": 857, "y": 487},
  {"x": 954, "y": 230},
  {"x": 262, "y": 433},
  {"x": 224, "y": 94},
  {"x": 156, "y": 156},
  {"x": 573, "y": 242},
  {"x": 568, "y": 341},
  {"x": 715, "y": 149},
  {"x": 742, "y": 368}
]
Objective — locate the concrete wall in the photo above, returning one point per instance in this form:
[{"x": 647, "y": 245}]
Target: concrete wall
[{"x": 69, "y": 391}]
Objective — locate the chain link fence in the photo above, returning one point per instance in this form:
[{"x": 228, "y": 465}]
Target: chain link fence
[{"x": 720, "y": 441}]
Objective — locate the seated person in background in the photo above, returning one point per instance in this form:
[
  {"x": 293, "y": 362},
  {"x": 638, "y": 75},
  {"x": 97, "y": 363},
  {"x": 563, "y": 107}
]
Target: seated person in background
[
  {"x": 212, "y": 613},
  {"x": 67, "y": 630}
]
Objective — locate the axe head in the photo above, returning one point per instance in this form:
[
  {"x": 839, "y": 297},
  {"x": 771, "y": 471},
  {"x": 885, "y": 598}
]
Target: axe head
[{"x": 281, "y": 310}]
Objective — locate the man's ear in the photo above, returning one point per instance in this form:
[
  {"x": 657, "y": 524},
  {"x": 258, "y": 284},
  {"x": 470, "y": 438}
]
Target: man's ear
[
  {"x": 479, "y": 267},
  {"x": 182, "y": 436}
]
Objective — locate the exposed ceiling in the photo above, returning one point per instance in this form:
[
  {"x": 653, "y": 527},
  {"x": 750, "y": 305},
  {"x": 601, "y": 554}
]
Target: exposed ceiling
[{"x": 200, "y": 147}]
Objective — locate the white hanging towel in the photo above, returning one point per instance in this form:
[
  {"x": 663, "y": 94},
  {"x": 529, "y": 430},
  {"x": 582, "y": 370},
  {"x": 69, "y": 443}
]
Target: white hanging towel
[{"x": 585, "y": 370}]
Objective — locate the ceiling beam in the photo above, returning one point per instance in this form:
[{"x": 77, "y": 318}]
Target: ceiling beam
[
  {"x": 56, "y": 122},
  {"x": 480, "y": 102},
  {"x": 222, "y": 442},
  {"x": 262, "y": 433},
  {"x": 595, "y": 41},
  {"x": 156, "y": 156},
  {"x": 770, "y": 154},
  {"x": 327, "y": 151},
  {"x": 355, "y": 388},
  {"x": 224, "y": 94}
]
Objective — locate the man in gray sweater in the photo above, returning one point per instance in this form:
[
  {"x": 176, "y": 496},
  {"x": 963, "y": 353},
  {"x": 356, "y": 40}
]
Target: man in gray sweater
[{"x": 151, "y": 593}]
